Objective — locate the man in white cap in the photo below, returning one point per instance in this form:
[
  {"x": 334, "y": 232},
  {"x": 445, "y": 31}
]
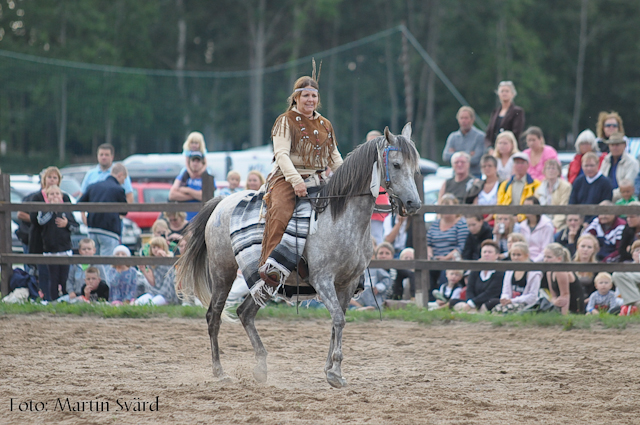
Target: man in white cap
[{"x": 521, "y": 185}]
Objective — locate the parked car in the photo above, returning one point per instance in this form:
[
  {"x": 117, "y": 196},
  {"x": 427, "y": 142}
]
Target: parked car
[
  {"x": 76, "y": 172},
  {"x": 148, "y": 193}
]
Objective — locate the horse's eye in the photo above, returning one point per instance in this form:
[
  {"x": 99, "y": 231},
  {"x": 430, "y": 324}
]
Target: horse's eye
[{"x": 396, "y": 165}]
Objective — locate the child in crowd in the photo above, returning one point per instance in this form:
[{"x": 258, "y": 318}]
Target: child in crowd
[
  {"x": 194, "y": 143},
  {"x": 56, "y": 228},
  {"x": 75, "y": 281},
  {"x": 624, "y": 194},
  {"x": 377, "y": 282},
  {"x": 511, "y": 239},
  {"x": 122, "y": 279},
  {"x": 603, "y": 299},
  {"x": 94, "y": 288},
  {"x": 479, "y": 230},
  {"x": 404, "y": 286},
  {"x": 158, "y": 287},
  {"x": 451, "y": 289},
  {"x": 160, "y": 228},
  {"x": 233, "y": 178}
]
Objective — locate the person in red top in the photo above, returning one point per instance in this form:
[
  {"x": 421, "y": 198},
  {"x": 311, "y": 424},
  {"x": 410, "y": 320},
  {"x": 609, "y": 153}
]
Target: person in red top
[
  {"x": 377, "y": 218},
  {"x": 586, "y": 142}
]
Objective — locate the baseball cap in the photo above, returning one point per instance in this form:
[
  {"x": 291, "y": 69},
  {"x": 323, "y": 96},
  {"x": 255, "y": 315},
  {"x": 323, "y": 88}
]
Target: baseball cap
[
  {"x": 520, "y": 155},
  {"x": 196, "y": 154}
]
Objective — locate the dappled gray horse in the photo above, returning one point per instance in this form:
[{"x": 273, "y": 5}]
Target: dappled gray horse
[{"x": 337, "y": 253}]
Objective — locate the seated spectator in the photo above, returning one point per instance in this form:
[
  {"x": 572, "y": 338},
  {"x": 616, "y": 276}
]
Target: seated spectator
[
  {"x": 461, "y": 183},
  {"x": 122, "y": 280},
  {"x": 587, "y": 248},
  {"x": 537, "y": 230},
  {"x": 628, "y": 283},
  {"x": 404, "y": 285},
  {"x": 489, "y": 193},
  {"x": 397, "y": 232},
  {"x": 586, "y": 142},
  {"x": 160, "y": 228},
  {"x": 520, "y": 186},
  {"x": 377, "y": 282},
  {"x": 255, "y": 180},
  {"x": 566, "y": 291},
  {"x": 607, "y": 228},
  {"x": 484, "y": 285},
  {"x": 506, "y": 147},
  {"x": 233, "y": 178},
  {"x": 512, "y": 239},
  {"x": 158, "y": 287},
  {"x": 450, "y": 290},
  {"x": 538, "y": 152},
  {"x": 519, "y": 288},
  {"x": 603, "y": 298},
  {"x": 445, "y": 240},
  {"x": 623, "y": 195},
  {"x": 618, "y": 165},
  {"x": 591, "y": 187},
  {"x": 479, "y": 230},
  {"x": 466, "y": 139},
  {"x": 608, "y": 124},
  {"x": 568, "y": 236},
  {"x": 505, "y": 224},
  {"x": 177, "y": 224},
  {"x": 94, "y": 288},
  {"x": 75, "y": 281},
  {"x": 630, "y": 234},
  {"x": 554, "y": 190},
  {"x": 187, "y": 187}
]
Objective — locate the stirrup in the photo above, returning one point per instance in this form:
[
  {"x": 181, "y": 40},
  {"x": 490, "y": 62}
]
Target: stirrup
[{"x": 270, "y": 274}]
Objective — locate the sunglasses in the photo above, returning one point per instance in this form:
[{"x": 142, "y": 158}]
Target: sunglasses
[{"x": 611, "y": 125}]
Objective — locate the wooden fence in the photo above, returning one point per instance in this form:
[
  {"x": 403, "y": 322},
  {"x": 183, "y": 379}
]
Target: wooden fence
[{"x": 421, "y": 264}]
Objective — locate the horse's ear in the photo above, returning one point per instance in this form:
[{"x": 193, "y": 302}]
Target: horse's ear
[
  {"x": 389, "y": 136},
  {"x": 406, "y": 131}
]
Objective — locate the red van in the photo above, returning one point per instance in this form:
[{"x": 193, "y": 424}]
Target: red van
[{"x": 148, "y": 193}]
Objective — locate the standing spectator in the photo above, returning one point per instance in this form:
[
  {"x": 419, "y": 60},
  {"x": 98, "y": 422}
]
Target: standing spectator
[
  {"x": 194, "y": 143},
  {"x": 378, "y": 218},
  {"x": 587, "y": 248},
  {"x": 618, "y": 165},
  {"x": 506, "y": 147},
  {"x": 591, "y": 187},
  {"x": 159, "y": 288},
  {"x": 233, "y": 178},
  {"x": 586, "y": 142},
  {"x": 466, "y": 139},
  {"x": 479, "y": 231},
  {"x": 482, "y": 285},
  {"x": 461, "y": 183},
  {"x": 537, "y": 230},
  {"x": 56, "y": 231},
  {"x": 566, "y": 291},
  {"x": 607, "y": 228},
  {"x": 630, "y": 234},
  {"x": 554, "y": 190},
  {"x": 608, "y": 124},
  {"x": 187, "y": 187},
  {"x": 520, "y": 186},
  {"x": 103, "y": 171},
  {"x": 489, "y": 193},
  {"x": 538, "y": 152},
  {"x": 628, "y": 283},
  {"x": 105, "y": 228},
  {"x": 507, "y": 116},
  {"x": 519, "y": 288},
  {"x": 568, "y": 236},
  {"x": 445, "y": 239},
  {"x": 255, "y": 180}
]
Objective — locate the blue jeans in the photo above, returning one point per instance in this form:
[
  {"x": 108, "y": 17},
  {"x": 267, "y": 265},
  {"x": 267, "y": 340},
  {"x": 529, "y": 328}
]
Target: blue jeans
[{"x": 104, "y": 244}]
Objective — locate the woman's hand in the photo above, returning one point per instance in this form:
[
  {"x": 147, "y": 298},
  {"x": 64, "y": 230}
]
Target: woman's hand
[
  {"x": 300, "y": 189},
  {"x": 505, "y": 301}
]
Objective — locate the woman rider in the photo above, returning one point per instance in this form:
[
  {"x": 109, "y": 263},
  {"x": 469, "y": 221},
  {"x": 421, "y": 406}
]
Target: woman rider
[{"x": 304, "y": 145}]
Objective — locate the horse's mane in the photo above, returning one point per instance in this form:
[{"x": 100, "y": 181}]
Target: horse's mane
[{"x": 353, "y": 178}]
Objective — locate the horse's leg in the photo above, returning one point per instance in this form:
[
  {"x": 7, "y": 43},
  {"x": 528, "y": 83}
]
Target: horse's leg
[
  {"x": 220, "y": 291},
  {"x": 343, "y": 299},
  {"x": 247, "y": 313}
]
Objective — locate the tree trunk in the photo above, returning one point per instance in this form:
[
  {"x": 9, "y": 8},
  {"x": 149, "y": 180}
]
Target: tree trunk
[
  {"x": 296, "y": 40},
  {"x": 582, "y": 49},
  {"x": 62, "y": 125},
  {"x": 429, "y": 145},
  {"x": 257, "y": 63},
  {"x": 181, "y": 61},
  {"x": 391, "y": 84},
  {"x": 333, "y": 64},
  {"x": 408, "y": 86}
]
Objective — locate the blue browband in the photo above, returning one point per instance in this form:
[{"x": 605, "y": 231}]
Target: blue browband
[{"x": 385, "y": 158}]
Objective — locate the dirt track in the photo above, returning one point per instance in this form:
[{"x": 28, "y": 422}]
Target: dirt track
[{"x": 398, "y": 373}]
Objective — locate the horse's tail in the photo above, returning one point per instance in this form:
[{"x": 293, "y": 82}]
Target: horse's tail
[{"x": 192, "y": 268}]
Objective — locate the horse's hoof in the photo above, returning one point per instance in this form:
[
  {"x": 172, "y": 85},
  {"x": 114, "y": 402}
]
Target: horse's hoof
[
  {"x": 260, "y": 374},
  {"x": 336, "y": 381}
]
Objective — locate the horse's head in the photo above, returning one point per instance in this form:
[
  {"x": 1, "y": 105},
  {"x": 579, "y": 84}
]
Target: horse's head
[{"x": 399, "y": 159}]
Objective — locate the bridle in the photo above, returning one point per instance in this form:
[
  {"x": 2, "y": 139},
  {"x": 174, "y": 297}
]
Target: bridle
[{"x": 387, "y": 180}]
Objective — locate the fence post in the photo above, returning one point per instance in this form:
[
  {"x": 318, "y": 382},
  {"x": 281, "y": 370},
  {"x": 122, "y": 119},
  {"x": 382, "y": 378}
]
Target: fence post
[
  {"x": 208, "y": 187},
  {"x": 419, "y": 234},
  {"x": 5, "y": 233}
]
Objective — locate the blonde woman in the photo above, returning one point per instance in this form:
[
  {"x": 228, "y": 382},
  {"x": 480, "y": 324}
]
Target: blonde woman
[
  {"x": 608, "y": 124},
  {"x": 506, "y": 147},
  {"x": 566, "y": 291},
  {"x": 554, "y": 190},
  {"x": 255, "y": 180},
  {"x": 586, "y": 249},
  {"x": 519, "y": 288}
]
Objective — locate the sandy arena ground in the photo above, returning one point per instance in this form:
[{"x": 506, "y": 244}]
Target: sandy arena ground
[{"x": 398, "y": 373}]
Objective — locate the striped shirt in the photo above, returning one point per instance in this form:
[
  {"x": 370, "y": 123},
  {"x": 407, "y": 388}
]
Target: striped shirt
[{"x": 443, "y": 243}]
